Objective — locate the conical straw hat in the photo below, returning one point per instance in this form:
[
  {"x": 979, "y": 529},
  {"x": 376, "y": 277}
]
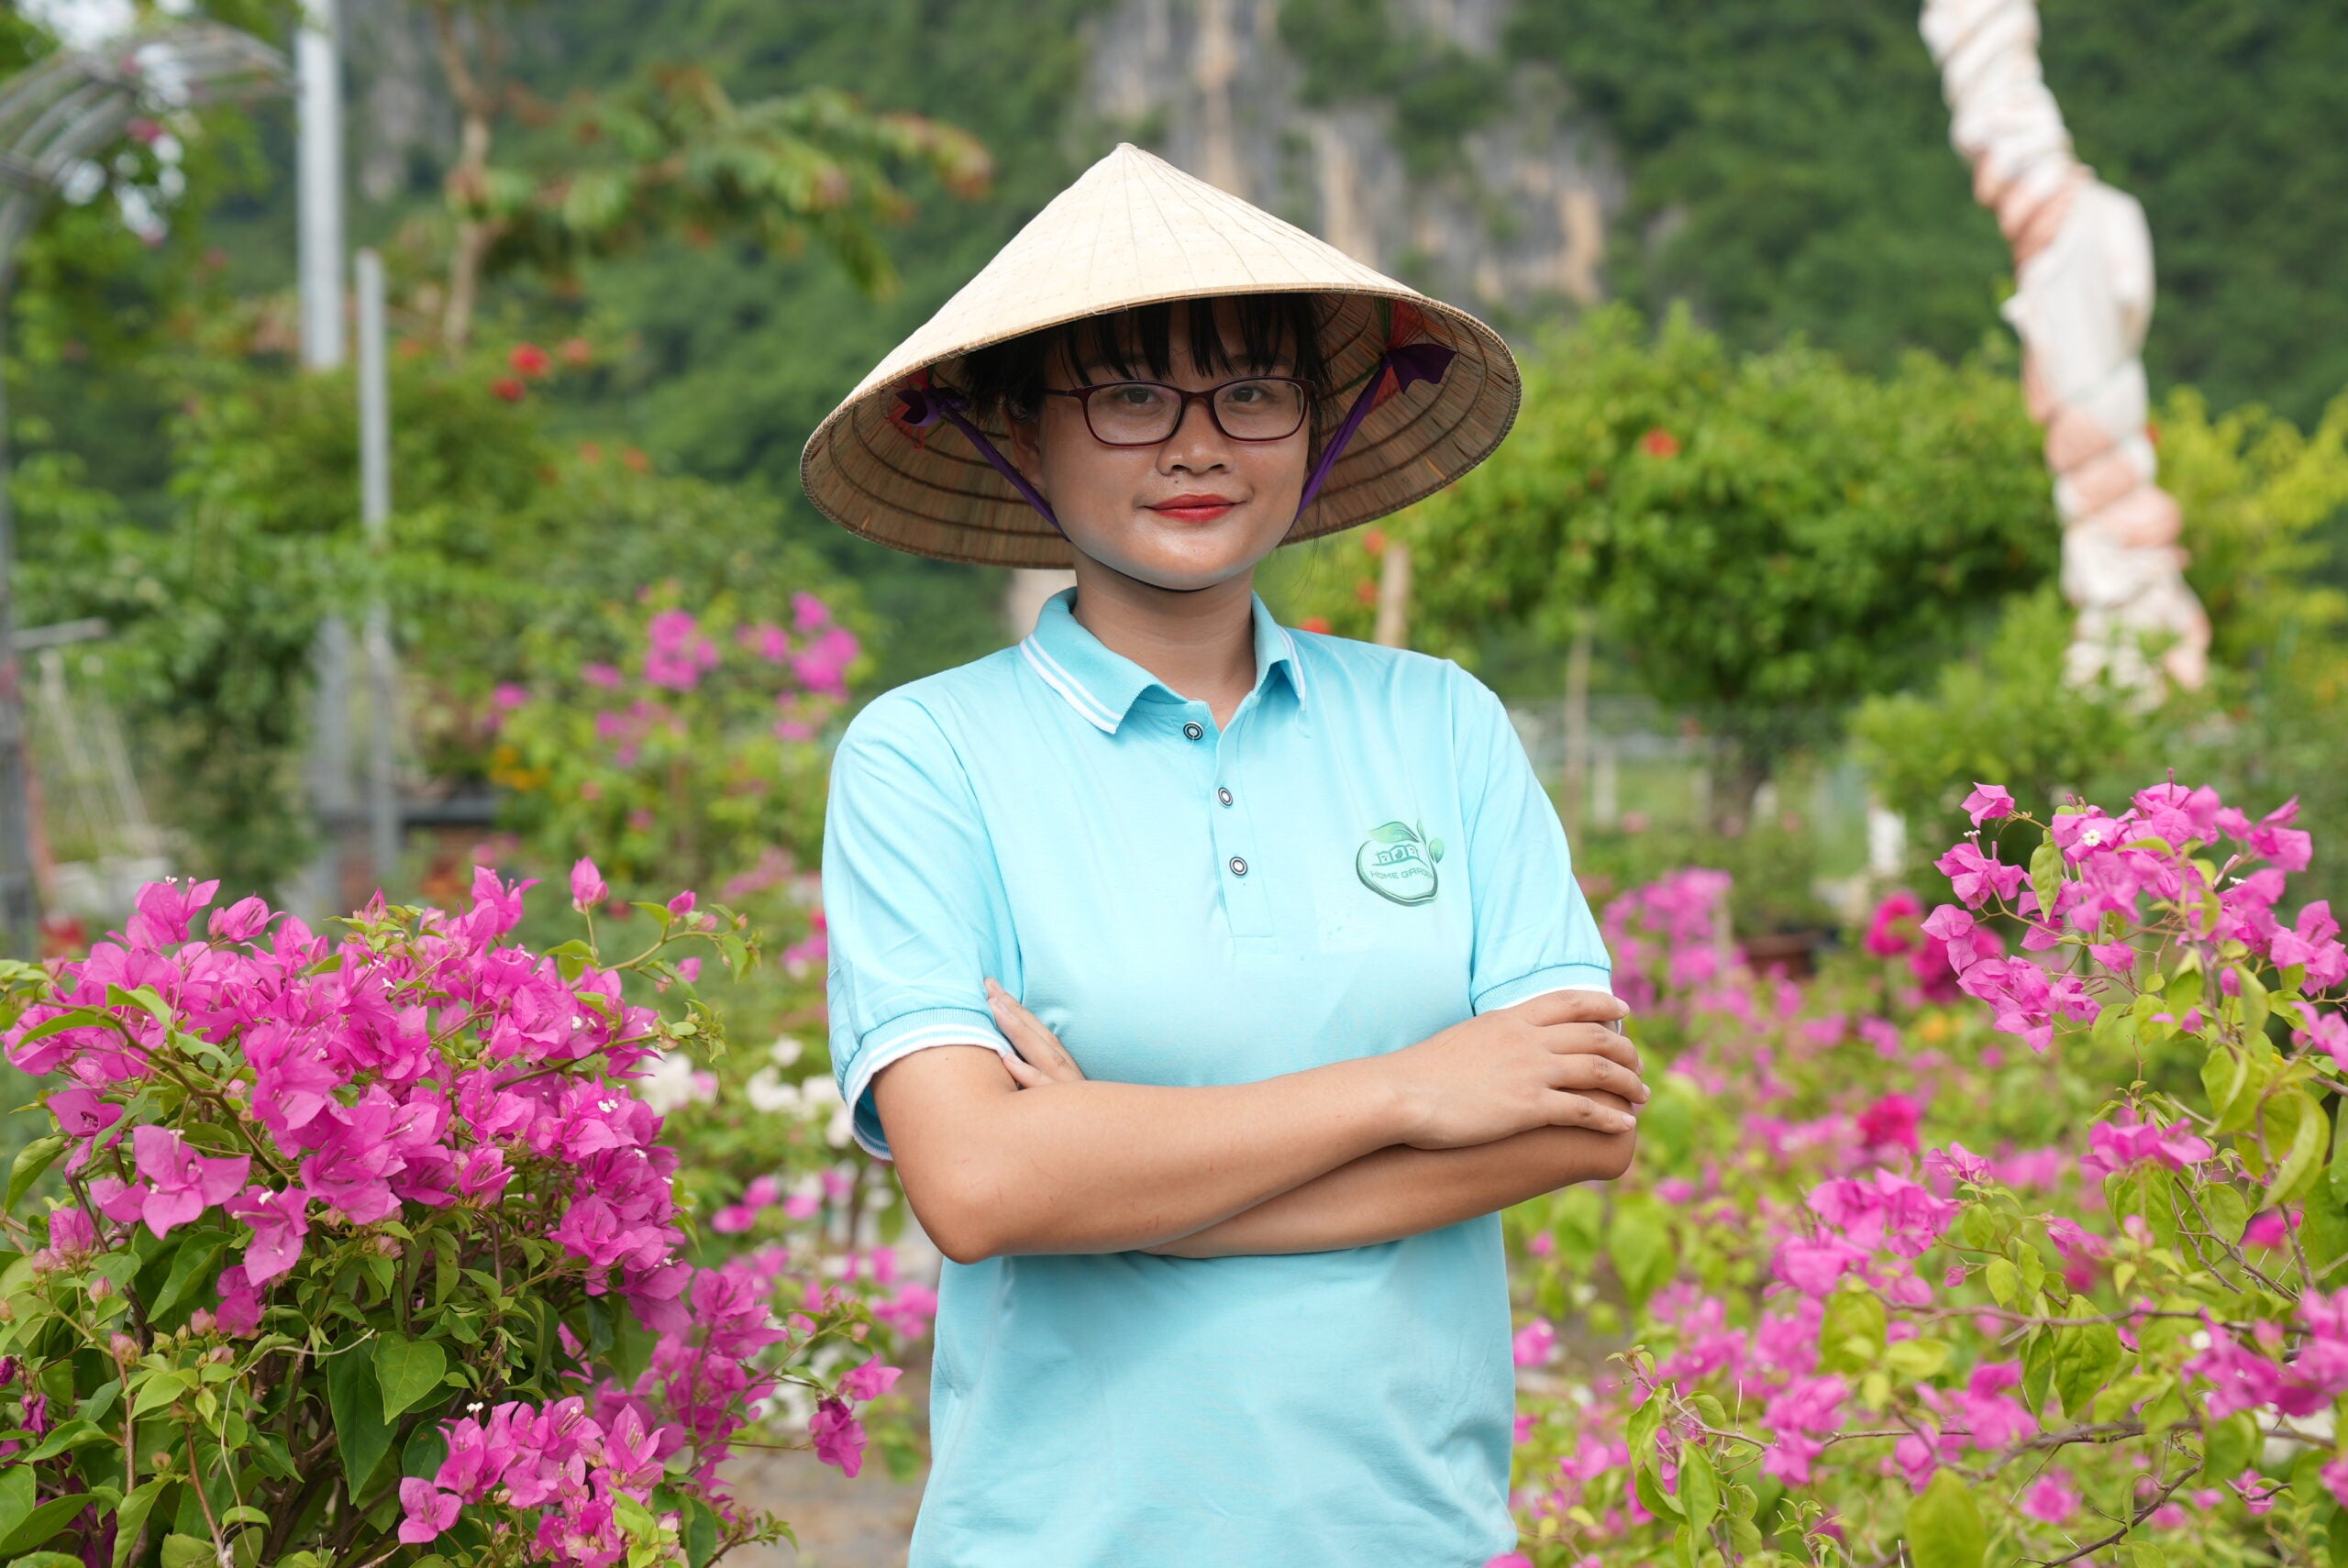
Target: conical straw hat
[{"x": 1136, "y": 231}]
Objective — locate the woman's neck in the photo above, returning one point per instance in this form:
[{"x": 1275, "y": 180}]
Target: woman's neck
[{"x": 1201, "y": 643}]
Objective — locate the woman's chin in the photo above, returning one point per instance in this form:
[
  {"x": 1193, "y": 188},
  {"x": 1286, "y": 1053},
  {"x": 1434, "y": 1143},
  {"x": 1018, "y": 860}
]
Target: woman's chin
[{"x": 1185, "y": 556}]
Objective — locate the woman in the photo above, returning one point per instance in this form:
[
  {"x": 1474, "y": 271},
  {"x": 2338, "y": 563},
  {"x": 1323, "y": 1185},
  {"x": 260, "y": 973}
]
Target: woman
[{"x": 1211, "y": 984}]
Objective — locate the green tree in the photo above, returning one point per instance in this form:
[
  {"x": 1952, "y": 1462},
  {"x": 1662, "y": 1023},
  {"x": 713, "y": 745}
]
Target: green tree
[{"x": 1761, "y": 539}]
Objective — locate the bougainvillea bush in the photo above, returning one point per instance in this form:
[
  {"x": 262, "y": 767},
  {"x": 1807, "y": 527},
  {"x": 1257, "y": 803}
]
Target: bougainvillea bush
[
  {"x": 2018, "y": 1238},
  {"x": 365, "y": 1249},
  {"x": 689, "y": 742}
]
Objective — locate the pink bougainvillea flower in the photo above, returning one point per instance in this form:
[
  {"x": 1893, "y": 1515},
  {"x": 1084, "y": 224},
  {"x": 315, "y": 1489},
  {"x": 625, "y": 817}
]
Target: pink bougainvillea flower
[
  {"x": 240, "y": 921},
  {"x": 587, "y": 887},
  {"x": 2124, "y": 1140},
  {"x": 1988, "y": 802},
  {"x": 870, "y": 1381},
  {"x": 164, "y": 910},
  {"x": 1890, "y": 1122},
  {"x": 2050, "y": 1499},
  {"x": 280, "y": 1221},
  {"x": 181, "y": 1184},
  {"x": 1978, "y": 877},
  {"x": 1893, "y": 929},
  {"x": 839, "y": 1436},
  {"x": 2313, "y": 941},
  {"x": 1536, "y": 1342},
  {"x": 808, "y": 613},
  {"x": 427, "y": 1511}
]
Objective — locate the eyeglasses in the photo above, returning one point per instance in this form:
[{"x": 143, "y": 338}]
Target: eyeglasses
[{"x": 1143, "y": 414}]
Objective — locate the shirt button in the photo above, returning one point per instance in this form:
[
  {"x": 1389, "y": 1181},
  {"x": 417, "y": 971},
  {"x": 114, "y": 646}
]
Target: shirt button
[
  {"x": 1191, "y": 730},
  {"x": 1224, "y": 795},
  {"x": 1238, "y": 867}
]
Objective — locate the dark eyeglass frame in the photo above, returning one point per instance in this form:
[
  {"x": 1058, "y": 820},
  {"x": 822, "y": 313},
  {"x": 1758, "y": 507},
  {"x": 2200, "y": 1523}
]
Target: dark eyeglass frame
[{"x": 1083, "y": 395}]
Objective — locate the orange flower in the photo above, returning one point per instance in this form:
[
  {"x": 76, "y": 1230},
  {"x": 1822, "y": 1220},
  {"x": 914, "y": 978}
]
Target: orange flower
[
  {"x": 510, "y": 387},
  {"x": 590, "y": 453},
  {"x": 635, "y": 458},
  {"x": 529, "y": 360},
  {"x": 576, "y": 351},
  {"x": 1315, "y": 624},
  {"x": 1366, "y": 590},
  {"x": 1660, "y": 443},
  {"x": 1374, "y": 540}
]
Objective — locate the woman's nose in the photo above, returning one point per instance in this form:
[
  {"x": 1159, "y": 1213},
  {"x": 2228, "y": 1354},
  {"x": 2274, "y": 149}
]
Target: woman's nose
[{"x": 1196, "y": 443}]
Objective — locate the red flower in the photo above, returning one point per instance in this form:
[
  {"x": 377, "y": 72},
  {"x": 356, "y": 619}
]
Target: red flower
[
  {"x": 1366, "y": 590},
  {"x": 635, "y": 458},
  {"x": 529, "y": 360},
  {"x": 1315, "y": 624},
  {"x": 576, "y": 351},
  {"x": 1659, "y": 443},
  {"x": 1374, "y": 541},
  {"x": 510, "y": 387}
]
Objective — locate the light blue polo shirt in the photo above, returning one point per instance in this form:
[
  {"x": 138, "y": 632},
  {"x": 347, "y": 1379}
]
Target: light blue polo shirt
[{"x": 1362, "y": 859}]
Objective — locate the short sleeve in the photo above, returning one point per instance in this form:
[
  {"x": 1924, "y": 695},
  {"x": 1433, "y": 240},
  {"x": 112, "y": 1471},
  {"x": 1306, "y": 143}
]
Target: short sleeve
[
  {"x": 914, "y": 912},
  {"x": 1534, "y": 930}
]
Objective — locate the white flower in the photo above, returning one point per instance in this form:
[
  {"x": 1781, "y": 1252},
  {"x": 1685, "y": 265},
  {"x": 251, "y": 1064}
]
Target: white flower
[
  {"x": 785, "y": 1050},
  {"x": 670, "y": 1084},
  {"x": 768, "y": 1093}
]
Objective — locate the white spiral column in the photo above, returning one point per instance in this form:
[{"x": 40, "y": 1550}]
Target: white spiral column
[{"x": 2083, "y": 264}]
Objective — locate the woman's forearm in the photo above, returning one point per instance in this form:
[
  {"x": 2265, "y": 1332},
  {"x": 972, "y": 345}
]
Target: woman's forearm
[
  {"x": 1402, "y": 1191},
  {"x": 992, "y": 1169}
]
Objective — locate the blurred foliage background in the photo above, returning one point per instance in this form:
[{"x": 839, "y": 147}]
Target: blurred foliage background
[{"x": 1780, "y": 488}]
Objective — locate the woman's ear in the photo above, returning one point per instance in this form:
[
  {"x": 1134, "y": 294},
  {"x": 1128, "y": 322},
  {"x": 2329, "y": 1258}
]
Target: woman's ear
[{"x": 1026, "y": 449}]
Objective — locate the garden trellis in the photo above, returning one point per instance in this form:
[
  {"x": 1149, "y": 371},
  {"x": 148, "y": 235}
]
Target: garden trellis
[{"x": 57, "y": 119}]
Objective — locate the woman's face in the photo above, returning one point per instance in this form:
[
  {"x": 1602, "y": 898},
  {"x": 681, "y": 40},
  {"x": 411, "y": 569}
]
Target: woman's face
[{"x": 1124, "y": 506}]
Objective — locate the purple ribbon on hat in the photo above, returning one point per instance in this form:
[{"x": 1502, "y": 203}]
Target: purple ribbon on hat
[
  {"x": 1409, "y": 362},
  {"x": 924, "y": 406}
]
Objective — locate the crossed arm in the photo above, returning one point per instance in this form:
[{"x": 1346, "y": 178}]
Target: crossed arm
[{"x": 1342, "y": 1182}]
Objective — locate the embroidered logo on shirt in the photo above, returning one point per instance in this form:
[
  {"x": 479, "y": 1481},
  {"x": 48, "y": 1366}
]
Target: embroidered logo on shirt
[{"x": 1397, "y": 862}]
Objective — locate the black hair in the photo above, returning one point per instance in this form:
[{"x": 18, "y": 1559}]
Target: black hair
[{"x": 1006, "y": 379}]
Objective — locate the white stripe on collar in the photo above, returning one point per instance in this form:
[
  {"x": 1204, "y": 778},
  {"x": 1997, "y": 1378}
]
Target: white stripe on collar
[{"x": 1089, "y": 706}]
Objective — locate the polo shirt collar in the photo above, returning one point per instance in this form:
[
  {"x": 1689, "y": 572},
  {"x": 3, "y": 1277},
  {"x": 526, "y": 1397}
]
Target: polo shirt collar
[{"x": 1101, "y": 685}]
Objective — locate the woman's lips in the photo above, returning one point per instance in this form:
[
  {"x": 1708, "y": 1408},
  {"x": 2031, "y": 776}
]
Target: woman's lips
[{"x": 1194, "y": 509}]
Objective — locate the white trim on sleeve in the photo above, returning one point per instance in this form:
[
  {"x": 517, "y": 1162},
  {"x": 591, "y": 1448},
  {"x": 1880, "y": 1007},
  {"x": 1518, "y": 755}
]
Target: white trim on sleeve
[{"x": 898, "y": 1050}]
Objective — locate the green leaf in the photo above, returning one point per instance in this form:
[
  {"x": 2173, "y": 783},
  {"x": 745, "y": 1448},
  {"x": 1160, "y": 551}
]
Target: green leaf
[
  {"x": 186, "y": 1551},
  {"x": 1699, "y": 1488},
  {"x": 2046, "y": 876},
  {"x": 2230, "y": 1447},
  {"x": 1851, "y": 1336},
  {"x": 700, "y": 1532},
  {"x": 1652, "y": 1496},
  {"x": 131, "y": 1517},
  {"x": 2004, "y": 1281},
  {"x": 41, "y": 1523},
  {"x": 194, "y": 1266},
  {"x": 361, "y": 1433},
  {"x": 2224, "y": 1075},
  {"x": 2085, "y": 1355},
  {"x": 1435, "y": 849},
  {"x": 2227, "y": 1209},
  {"x": 1639, "y": 1242},
  {"x": 1645, "y": 1421},
  {"x": 47, "y": 1560},
  {"x": 406, "y": 1370},
  {"x": 32, "y": 1160},
  {"x": 244, "y": 1513},
  {"x": 1945, "y": 1526},
  {"x": 17, "y": 1483},
  {"x": 2308, "y": 1130},
  {"x": 69, "y": 1434}
]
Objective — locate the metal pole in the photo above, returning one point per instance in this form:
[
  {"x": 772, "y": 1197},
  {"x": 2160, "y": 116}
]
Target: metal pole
[
  {"x": 320, "y": 173},
  {"x": 375, "y": 513},
  {"x": 19, "y": 893},
  {"x": 319, "y": 165}
]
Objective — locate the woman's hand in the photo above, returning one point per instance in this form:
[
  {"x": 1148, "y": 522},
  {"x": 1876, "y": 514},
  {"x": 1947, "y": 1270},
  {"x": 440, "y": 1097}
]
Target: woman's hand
[
  {"x": 1515, "y": 1068},
  {"x": 1045, "y": 1059}
]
